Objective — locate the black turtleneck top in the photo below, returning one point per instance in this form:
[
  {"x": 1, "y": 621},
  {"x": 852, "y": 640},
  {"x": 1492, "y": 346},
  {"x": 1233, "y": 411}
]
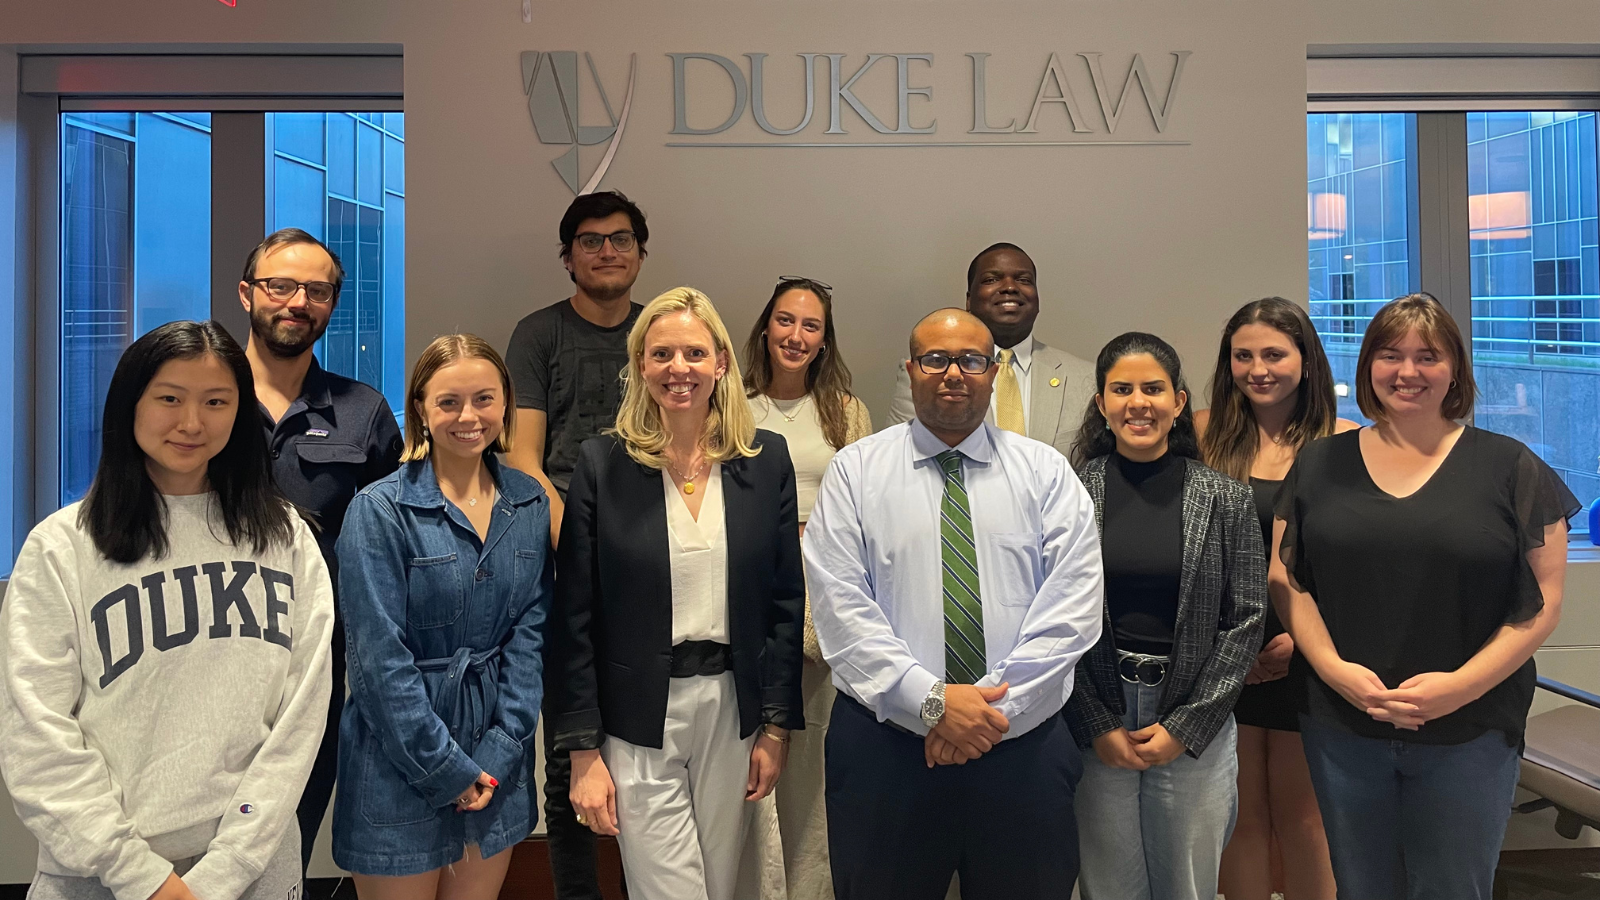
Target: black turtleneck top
[{"x": 1142, "y": 549}]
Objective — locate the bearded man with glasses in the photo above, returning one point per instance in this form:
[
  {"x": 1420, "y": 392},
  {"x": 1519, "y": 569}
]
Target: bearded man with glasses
[
  {"x": 565, "y": 361},
  {"x": 329, "y": 436}
]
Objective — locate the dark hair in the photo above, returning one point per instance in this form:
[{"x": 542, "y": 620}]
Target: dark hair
[
  {"x": 827, "y": 378},
  {"x": 1437, "y": 328},
  {"x": 1231, "y": 440},
  {"x": 1094, "y": 436},
  {"x": 972, "y": 267},
  {"x": 123, "y": 512},
  {"x": 599, "y": 205},
  {"x": 283, "y": 237}
]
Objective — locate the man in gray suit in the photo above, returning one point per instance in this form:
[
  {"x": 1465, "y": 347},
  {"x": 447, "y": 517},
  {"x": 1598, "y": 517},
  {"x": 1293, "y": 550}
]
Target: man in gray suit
[{"x": 1055, "y": 387}]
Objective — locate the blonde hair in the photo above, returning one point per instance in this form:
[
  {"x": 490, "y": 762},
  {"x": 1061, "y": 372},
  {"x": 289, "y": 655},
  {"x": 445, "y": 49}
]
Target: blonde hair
[
  {"x": 730, "y": 428},
  {"x": 1426, "y": 316},
  {"x": 447, "y": 350}
]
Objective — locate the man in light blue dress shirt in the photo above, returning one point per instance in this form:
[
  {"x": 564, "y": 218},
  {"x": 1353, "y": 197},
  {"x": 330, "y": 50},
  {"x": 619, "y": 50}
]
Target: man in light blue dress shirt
[{"x": 955, "y": 580}]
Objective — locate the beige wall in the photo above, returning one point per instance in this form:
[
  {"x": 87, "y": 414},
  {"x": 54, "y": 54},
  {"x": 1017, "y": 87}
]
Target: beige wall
[{"x": 1168, "y": 239}]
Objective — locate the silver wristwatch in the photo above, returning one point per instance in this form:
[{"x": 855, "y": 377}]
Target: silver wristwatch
[{"x": 933, "y": 705}]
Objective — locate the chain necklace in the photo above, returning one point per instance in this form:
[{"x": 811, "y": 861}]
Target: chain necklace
[
  {"x": 787, "y": 417},
  {"x": 688, "y": 480}
]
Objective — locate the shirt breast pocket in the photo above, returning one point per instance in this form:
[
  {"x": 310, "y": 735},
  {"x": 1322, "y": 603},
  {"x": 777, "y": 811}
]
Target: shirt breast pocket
[
  {"x": 329, "y": 469},
  {"x": 1016, "y": 568},
  {"x": 433, "y": 596}
]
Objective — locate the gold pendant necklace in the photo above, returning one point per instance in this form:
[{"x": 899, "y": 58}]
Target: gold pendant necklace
[{"x": 688, "y": 480}]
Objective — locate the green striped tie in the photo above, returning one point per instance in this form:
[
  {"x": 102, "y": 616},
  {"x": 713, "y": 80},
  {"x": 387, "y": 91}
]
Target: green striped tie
[{"x": 964, "y": 659}]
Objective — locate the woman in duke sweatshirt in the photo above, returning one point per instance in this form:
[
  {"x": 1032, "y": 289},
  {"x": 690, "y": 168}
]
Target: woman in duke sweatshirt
[{"x": 164, "y": 669}]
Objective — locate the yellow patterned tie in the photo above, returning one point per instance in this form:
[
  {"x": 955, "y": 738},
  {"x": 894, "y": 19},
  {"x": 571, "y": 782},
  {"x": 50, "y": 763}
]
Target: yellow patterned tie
[{"x": 1008, "y": 398}]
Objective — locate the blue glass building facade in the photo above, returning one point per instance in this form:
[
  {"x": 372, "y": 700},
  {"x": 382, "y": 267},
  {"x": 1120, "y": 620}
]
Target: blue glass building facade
[{"x": 136, "y": 244}]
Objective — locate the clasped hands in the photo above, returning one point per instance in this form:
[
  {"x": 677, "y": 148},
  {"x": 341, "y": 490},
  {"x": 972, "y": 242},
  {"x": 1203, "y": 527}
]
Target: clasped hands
[
  {"x": 1138, "y": 750},
  {"x": 1419, "y": 699},
  {"x": 970, "y": 726}
]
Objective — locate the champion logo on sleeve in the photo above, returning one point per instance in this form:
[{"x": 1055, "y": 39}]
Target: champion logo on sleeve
[{"x": 247, "y": 808}]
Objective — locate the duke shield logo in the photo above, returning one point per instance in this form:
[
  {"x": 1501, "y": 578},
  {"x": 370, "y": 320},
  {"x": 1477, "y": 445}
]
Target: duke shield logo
[{"x": 550, "y": 82}]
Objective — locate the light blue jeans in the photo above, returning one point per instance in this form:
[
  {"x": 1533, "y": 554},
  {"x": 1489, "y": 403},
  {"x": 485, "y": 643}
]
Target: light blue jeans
[{"x": 1156, "y": 834}]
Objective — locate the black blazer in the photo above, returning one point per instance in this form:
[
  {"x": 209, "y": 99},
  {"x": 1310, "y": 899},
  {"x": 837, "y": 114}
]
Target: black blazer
[
  {"x": 1222, "y": 595},
  {"x": 610, "y": 632}
]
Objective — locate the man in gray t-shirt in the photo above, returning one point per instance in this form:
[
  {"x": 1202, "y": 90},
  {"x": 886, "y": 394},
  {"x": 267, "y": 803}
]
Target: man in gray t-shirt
[
  {"x": 565, "y": 361},
  {"x": 567, "y": 367}
]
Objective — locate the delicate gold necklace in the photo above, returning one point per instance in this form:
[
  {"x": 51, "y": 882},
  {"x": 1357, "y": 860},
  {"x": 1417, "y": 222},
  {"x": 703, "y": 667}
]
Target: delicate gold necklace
[
  {"x": 688, "y": 480},
  {"x": 786, "y": 416}
]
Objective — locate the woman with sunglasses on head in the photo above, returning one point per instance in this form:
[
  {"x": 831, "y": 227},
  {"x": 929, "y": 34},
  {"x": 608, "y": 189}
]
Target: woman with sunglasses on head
[
  {"x": 1185, "y": 592},
  {"x": 1420, "y": 564},
  {"x": 164, "y": 647},
  {"x": 676, "y": 632},
  {"x": 1271, "y": 394},
  {"x": 799, "y": 387},
  {"x": 445, "y": 584}
]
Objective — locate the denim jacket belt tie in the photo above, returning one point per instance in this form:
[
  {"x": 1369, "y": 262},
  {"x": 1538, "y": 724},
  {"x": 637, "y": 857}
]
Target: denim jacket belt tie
[{"x": 466, "y": 699}]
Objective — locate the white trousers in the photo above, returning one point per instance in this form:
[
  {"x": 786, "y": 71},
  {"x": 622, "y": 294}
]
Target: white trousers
[{"x": 681, "y": 811}]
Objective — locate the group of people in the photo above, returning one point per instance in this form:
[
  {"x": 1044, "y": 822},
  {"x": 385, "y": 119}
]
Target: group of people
[{"x": 1049, "y": 627}]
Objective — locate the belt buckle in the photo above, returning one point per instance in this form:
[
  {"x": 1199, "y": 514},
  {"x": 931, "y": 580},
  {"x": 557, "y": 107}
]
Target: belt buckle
[{"x": 1133, "y": 668}]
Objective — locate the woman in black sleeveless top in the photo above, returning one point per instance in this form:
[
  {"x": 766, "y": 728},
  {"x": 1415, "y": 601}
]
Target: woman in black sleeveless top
[
  {"x": 1271, "y": 393},
  {"x": 1420, "y": 565}
]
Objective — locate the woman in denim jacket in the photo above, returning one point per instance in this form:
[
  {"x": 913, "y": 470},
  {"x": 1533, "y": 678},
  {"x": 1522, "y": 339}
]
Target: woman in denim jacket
[{"x": 445, "y": 583}]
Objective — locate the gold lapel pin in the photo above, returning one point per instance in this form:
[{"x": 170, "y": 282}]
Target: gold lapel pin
[{"x": 1055, "y": 382}]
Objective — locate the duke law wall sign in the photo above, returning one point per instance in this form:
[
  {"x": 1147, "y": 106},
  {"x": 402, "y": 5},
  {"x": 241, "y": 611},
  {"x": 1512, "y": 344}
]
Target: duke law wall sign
[{"x": 550, "y": 82}]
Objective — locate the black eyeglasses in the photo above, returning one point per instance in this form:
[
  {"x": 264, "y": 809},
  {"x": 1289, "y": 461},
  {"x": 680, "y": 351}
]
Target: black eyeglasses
[
  {"x": 284, "y": 289},
  {"x": 804, "y": 282},
  {"x": 938, "y": 363},
  {"x": 591, "y": 242}
]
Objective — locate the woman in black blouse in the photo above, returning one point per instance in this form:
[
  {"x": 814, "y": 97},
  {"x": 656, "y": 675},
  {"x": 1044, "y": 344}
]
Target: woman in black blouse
[
  {"x": 1420, "y": 564},
  {"x": 1185, "y": 588},
  {"x": 1271, "y": 394}
]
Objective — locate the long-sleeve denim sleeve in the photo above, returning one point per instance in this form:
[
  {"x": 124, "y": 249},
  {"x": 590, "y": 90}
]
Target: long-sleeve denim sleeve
[{"x": 384, "y": 679}]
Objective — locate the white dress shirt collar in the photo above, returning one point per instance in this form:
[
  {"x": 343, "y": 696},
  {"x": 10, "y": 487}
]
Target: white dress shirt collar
[
  {"x": 1022, "y": 353},
  {"x": 977, "y": 446}
]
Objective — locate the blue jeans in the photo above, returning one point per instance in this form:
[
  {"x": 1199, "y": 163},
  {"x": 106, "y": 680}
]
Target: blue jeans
[
  {"x": 1156, "y": 834},
  {"x": 1406, "y": 820}
]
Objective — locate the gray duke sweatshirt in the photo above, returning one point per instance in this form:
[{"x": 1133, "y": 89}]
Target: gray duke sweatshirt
[{"x": 165, "y": 709}]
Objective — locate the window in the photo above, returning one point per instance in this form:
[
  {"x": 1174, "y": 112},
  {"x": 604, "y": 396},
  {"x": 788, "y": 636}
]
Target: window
[
  {"x": 1536, "y": 286},
  {"x": 1359, "y": 194},
  {"x": 135, "y": 253},
  {"x": 1530, "y": 238},
  {"x": 135, "y": 244},
  {"x": 341, "y": 177}
]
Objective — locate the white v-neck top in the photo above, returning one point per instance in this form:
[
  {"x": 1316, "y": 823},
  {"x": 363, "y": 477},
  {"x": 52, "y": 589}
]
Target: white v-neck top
[{"x": 698, "y": 554}]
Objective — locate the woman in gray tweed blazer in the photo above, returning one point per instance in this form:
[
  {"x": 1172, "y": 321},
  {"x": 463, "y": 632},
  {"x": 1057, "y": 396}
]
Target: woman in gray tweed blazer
[{"x": 1186, "y": 585}]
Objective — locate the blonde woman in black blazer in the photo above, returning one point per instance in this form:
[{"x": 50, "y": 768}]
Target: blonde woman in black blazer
[{"x": 676, "y": 635}]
